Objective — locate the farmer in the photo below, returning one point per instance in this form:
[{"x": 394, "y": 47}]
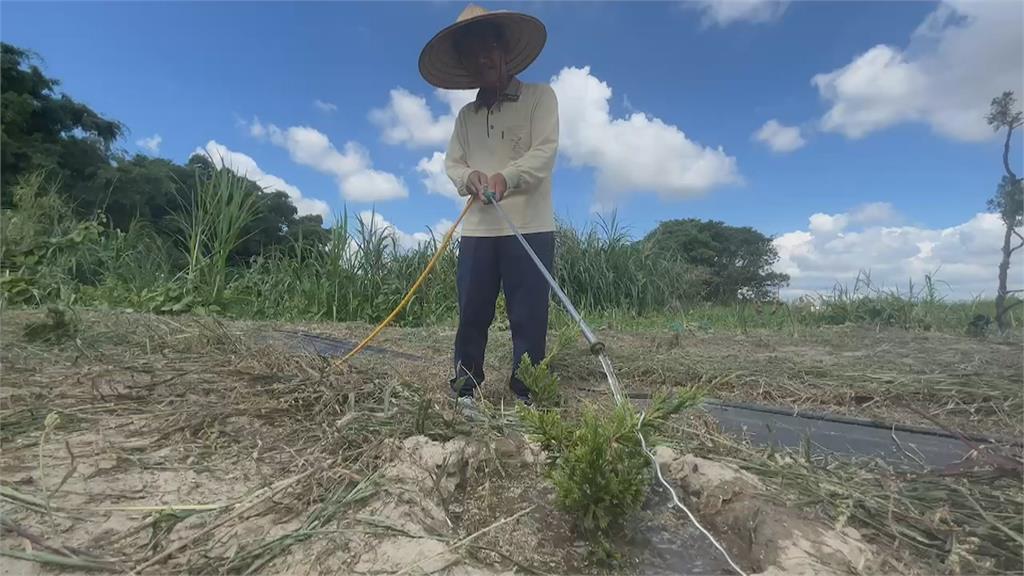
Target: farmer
[{"x": 504, "y": 141}]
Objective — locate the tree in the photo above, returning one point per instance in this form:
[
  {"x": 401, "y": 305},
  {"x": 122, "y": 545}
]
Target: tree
[
  {"x": 1008, "y": 201},
  {"x": 137, "y": 188},
  {"x": 739, "y": 260},
  {"x": 44, "y": 130},
  {"x": 47, "y": 131}
]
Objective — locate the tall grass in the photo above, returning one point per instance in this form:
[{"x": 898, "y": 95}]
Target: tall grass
[
  {"x": 210, "y": 226},
  {"x": 362, "y": 272},
  {"x": 601, "y": 269}
]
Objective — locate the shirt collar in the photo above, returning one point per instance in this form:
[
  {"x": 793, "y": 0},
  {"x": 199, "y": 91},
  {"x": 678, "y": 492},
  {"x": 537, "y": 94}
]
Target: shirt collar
[{"x": 510, "y": 94}]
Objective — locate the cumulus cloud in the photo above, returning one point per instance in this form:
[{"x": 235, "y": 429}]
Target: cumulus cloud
[
  {"x": 964, "y": 53},
  {"x": 634, "y": 153},
  {"x": 779, "y": 137},
  {"x": 835, "y": 248},
  {"x": 875, "y": 213},
  {"x": 351, "y": 167},
  {"x": 725, "y": 12},
  {"x": 325, "y": 106},
  {"x": 152, "y": 143},
  {"x": 244, "y": 165},
  {"x": 436, "y": 179},
  {"x": 405, "y": 240},
  {"x": 408, "y": 119}
]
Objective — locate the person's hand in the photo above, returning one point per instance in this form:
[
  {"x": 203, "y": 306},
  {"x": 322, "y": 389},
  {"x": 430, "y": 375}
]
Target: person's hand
[
  {"x": 476, "y": 183},
  {"x": 498, "y": 185}
]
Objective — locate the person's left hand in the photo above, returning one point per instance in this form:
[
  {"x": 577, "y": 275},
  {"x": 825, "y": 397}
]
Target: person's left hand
[{"x": 498, "y": 185}]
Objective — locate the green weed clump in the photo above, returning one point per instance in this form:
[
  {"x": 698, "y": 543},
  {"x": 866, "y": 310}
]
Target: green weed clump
[
  {"x": 596, "y": 461},
  {"x": 42, "y": 246}
]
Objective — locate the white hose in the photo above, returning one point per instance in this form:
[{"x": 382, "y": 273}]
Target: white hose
[{"x": 657, "y": 468}]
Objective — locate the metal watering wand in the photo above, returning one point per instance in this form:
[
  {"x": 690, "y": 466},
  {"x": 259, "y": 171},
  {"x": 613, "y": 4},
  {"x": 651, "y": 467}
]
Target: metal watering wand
[{"x": 597, "y": 347}]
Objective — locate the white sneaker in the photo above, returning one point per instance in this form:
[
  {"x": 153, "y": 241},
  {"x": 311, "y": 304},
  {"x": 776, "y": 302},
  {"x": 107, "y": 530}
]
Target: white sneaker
[{"x": 467, "y": 405}]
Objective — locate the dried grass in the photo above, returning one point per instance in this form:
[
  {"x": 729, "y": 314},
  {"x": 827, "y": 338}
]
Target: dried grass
[
  {"x": 972, "y": 385},
  {"x": 965, "y": 521},
  {"x": 194, "y": 395}
]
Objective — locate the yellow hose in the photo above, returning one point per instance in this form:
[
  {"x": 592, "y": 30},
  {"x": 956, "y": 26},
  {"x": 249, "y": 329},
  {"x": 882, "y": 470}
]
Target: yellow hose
[{"x": 415, "y": 286}]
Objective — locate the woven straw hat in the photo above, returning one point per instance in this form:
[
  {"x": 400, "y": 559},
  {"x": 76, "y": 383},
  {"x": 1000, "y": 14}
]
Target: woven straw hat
[{"x": 439, "y": 63}]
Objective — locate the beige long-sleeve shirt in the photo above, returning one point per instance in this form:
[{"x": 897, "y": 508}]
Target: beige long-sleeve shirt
[{"x": 518, "y": 137}]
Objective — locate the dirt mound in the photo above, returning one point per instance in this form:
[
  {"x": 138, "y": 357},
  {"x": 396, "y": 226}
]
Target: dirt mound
[
  {"x": 415, "y": 534},
  {"x": 772, "y": 539}
]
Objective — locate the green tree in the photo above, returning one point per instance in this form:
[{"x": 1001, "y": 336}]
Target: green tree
[
  {"x": 46, "y": 130},
  {"x": 137, "y": 188},
  {"x": 738, "y": 260},
  {"x": 1008, "y": 200}
]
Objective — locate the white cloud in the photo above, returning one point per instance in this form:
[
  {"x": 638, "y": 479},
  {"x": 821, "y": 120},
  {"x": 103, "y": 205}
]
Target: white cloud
[
  {"x": 836, "y": 247},
  {"x": 965, "y": 53},
  {"x": 351, "y": 168},
  {"x": 405, "y": 240},
  {"x": 436, "y": 179},
  {"x": 152, "y": 143},
  {"x": 725, "y": 12},
  {"x": 407, "y": 119},
  {"x": 244, "y": 165},
  {"x": 779, "y": 137},
  {"x": 875, "y": 213},
  {"x": 257, "y": 129},
  {"x": 634, "y": 153},
  {"x": 325, "y": 106}
]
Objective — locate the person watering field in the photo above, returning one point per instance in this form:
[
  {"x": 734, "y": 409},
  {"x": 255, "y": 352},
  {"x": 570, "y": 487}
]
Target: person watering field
[{"x": 505, "y": 143}]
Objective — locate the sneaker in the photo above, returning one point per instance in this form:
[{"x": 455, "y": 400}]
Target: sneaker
[
  {"x": 455, "y": 386},
  {"x": 467, "y": 405}
]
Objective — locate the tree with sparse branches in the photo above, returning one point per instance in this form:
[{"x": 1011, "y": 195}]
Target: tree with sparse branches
[{"x": 1008, "y": 201}]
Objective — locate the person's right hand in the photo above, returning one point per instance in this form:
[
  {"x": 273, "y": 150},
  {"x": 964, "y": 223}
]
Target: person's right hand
[{"x": 476, "y": 183}]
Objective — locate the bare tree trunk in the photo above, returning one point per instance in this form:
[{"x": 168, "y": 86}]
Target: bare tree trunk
[
  {"x": 1002, "y": 319},
  {"x": 1006, "y": 153},
  {"x": 1004, "y": 266}
]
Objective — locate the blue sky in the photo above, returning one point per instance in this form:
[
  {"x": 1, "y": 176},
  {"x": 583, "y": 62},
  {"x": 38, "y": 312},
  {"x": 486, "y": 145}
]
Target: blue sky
[{"x": 878, "y": 156}]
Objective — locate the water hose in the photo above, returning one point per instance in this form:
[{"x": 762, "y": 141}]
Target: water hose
[{"x": 415, "y": 286}]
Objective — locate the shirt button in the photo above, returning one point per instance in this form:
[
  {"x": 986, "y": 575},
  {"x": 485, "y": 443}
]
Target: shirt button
[{"x": 492, "y": 126}]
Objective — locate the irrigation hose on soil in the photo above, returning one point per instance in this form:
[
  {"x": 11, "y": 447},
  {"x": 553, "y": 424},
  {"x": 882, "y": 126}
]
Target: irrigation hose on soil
[{"x": 597, "y": 347}]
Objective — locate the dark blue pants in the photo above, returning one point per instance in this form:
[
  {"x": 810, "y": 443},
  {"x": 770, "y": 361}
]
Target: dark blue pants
[{"x": 485, "y": 266}]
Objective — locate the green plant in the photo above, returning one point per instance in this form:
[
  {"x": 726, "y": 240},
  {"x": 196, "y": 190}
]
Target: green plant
[
  {"x": 601, "y": 475},
  {"x": 211, "y": 226},
  {"x": 596, "y": 462},
  {"x": 542, "y": 384},
  {"x": 41, "y": 244}
]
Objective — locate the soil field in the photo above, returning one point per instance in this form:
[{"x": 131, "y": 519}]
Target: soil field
[{"x": 193, "y": 445}]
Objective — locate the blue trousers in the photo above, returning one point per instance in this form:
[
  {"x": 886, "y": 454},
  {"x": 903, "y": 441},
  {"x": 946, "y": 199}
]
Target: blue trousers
[{"x": 487, "y": 264}]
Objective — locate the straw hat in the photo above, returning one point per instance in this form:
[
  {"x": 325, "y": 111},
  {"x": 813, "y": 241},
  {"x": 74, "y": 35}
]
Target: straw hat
[{"x": 439, "y": 64}]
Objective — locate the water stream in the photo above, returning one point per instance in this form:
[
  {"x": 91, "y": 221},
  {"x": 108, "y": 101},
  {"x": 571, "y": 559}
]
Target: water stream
[{"x": 613, "y": 380}]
